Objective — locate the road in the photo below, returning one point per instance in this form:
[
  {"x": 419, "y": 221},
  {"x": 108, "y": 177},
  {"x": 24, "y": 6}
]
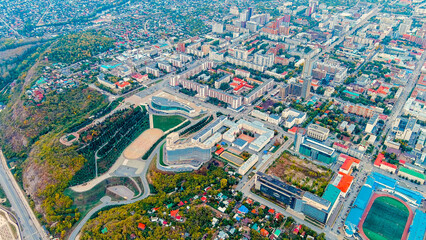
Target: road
[
  {"x": 146, "y": 192},
  {"x": 30, "y": 228},
  {"x": 399, "y": 104}
]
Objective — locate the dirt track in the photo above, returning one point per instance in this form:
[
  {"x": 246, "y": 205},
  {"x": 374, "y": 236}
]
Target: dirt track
[{"x": 142, "y": 144}]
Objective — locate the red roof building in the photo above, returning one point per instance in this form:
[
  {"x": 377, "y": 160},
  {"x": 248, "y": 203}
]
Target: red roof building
[
  {"x": 219, "y": 151},
  {"x": 349, "y": 163},
  {"x": 141, "y": 226},
  {"x": 123, "y": 84},
  {"x": 263, "y": 232},
  {"x": 380, "y": 163},
  {"x": 379, "y": 159},
  {"x": 345, "y": 182},
  {"x": 174, "y": 213}
]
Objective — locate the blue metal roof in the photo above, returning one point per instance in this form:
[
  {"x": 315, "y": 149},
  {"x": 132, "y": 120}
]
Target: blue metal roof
[{"x": 418, "y": 228}]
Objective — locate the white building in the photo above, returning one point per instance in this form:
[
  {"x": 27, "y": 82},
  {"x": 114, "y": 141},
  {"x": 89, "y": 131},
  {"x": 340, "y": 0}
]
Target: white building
[
  {"x": 248, "y": 164},
  {"x": 293, "y": 117},
  {"x": 318, "y": 132},
  {"x": 217, "y": 28}
]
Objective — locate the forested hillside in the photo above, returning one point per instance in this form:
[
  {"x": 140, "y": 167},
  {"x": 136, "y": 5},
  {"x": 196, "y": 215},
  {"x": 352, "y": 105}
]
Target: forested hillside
[
  {"x": 30, "y": 132},
  {"x": 79, "y": 46}
]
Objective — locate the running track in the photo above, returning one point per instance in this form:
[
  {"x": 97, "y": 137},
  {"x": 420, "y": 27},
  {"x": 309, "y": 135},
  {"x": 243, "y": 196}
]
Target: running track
[{"x": 367, "y": 210}]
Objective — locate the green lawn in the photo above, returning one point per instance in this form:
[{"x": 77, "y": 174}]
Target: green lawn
[
  {"x": 386, "y": 219},
  {"x": 167, "y": 122},
  {"x": 161, "y": 155}
]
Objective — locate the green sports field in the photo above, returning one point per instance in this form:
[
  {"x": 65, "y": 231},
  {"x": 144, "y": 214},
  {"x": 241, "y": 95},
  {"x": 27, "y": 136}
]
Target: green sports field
[
  {"x": 386, "y": 219},
  {"x": 167, "y": 122}
]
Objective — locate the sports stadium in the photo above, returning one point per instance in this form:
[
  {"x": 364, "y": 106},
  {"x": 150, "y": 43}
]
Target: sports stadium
[{"x": 384, "y": 210}]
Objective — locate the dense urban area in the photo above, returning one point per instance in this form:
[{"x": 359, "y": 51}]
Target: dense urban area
[{"x": 193, "y": 119}]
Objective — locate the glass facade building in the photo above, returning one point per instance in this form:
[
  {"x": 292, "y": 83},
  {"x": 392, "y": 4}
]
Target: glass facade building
[{"x": 165, "y": 104}]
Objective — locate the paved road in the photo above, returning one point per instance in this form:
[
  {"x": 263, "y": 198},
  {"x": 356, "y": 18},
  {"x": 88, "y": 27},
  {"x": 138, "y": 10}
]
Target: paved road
[
  {"x": 399, "y": 104},
  {"x": 28, "y": 223},
  {"x": 146, "y": 192}
]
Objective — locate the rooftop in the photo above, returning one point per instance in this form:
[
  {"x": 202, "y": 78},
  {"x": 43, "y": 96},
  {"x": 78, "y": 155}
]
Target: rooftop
[
  {"x": 318, "y": 146},
  {"x": 345, "y": 182},
  {"x": 412, "y": 173},
  {"x": 331, "y": 193},
  {"x": 170, "y": 103}
]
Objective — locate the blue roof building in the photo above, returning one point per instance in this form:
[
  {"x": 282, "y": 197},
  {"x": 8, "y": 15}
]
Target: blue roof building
[
  {"x": 418, "y": 228},
  {"x": 243, "y": 209}
]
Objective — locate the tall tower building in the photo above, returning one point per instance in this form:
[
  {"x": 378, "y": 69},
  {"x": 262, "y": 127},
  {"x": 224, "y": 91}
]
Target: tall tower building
[
  {"x": 299, "y": 140},
  {"x": 307, "y": 77},
  {"x": 307, "y": 68},
  {"x": 306, "y": 88},
  {"x": 250, "y": 12}
]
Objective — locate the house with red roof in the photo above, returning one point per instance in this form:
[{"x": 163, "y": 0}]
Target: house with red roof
[
  {"x": 122, "y": 84},
  {"x": 174, "y": 213},
  {"x": 220, "y": 151},
  {"x": 293, "y": 130},
  {"x": 382, "y": 164},
  {"x": 297, "y": 229},
  {"x": 141, "y": 226},
  {"x": 139, "y": 77},
  {"x": 263, "y": 232},
  {"x": 240, "y": 85},
  {"x": 348, "y": 164}
]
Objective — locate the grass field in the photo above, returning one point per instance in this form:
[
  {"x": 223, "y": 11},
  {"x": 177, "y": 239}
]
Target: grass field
[
  {"x": 167, "y": 122},
  {"x": 386, "y": 219}
]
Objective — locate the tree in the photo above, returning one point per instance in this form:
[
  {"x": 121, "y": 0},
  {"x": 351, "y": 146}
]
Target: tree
[{"x": 223, "y": 183}]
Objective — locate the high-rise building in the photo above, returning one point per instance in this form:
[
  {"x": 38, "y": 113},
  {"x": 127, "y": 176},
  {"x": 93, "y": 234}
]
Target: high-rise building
[
  {"x": 307, "y": 68},
  {"x": 252, "y": 26},
  {"x": 307, "y": 77},
  {"x": 299, "y": 139},
  {"x": 217, "y": 28},
  {"x": 266, "y": 60},
  {"x": 244, "y": 15},
  {"x": 292, "y": 89},
  {"x": 250, "y": 12},
  {"x": 306, "y": 88}
]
